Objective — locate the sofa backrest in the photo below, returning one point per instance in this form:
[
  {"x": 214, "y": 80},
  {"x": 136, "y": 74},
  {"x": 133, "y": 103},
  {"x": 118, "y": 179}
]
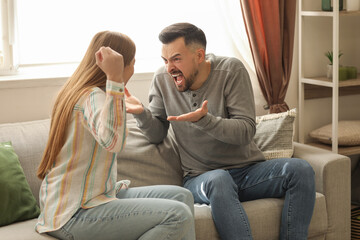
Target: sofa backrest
[
  {"x": 29, "y": 140},
  {"x": 149, "y": 164},
  {"x": 140, "y": 162}
]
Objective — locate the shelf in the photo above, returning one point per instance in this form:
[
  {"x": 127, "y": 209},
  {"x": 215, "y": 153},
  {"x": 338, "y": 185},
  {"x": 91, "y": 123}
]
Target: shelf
[
  {"x": 327, "y": 25},
  {"x": 320, "y": 87},
  {"x": 347, "y": 151},
  {"x": 326, "y": 82},
  {"x": 349, "y": 13},
  {"x": 344, "y": 83},
  {"x": 314, "y": 92},
  {"x": 329, "y": 14}
]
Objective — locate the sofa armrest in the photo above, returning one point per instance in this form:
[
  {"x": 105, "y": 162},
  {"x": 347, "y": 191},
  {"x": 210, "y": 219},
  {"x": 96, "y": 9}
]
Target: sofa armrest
[{"x": 332, "y": 178}]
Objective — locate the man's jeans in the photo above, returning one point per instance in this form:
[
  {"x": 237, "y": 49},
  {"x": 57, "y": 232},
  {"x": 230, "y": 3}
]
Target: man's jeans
[
  {"x": 224, "y": 190},
  {"x": 154, "y": 212}
]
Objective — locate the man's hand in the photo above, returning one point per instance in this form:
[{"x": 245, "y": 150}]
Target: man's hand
[
  {"x": 133, "y": 105},
  {"x": 111, "y": 63},
  {"x": 191, "y": 116}
]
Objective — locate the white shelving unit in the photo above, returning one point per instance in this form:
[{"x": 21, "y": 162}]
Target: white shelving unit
[{"x": 323, "y": 81}]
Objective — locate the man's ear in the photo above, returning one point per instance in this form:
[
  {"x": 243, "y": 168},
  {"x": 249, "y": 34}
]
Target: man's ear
[{"x": 200, "y": 53}]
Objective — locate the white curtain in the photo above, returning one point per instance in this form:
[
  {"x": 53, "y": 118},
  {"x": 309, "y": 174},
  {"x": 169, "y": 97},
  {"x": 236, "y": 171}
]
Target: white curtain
[{"x": 232, "y": 19}]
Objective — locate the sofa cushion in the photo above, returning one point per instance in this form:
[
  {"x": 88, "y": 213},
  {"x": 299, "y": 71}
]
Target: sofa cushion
[
  {"x": 145, "y": 164},
  {"x": 275, "y": 133},
  {"x": 348, "y": 133},
  {"x": 17, "y": 202},
  {"x": 264, "y": 217},
  {"x": 22, "y": 231}
]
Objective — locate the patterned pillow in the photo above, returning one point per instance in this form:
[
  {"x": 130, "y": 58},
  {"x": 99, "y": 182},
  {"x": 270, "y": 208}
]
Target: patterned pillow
[
  {"x": 275, "y": 133},
  {"x": 348, "y": 133}
]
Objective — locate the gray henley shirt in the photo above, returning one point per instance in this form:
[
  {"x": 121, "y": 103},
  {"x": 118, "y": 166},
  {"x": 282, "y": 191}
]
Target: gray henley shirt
[{"x": 222, "y": 139}]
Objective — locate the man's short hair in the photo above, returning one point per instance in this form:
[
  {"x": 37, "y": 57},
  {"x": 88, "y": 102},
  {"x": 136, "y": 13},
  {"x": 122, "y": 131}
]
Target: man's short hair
[{"x": 190, "y": 32}]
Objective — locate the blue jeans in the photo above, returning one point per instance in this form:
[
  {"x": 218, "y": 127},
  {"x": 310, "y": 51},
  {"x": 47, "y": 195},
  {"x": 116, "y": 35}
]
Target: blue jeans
[
  {"x": 153, "y": 212},
  {"x": 224, "y": 190}
]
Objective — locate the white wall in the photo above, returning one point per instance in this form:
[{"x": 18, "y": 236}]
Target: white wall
[
  {"x": 32, "y": 99},
  {"x": 25, "y": 104},
  {"x": 26, "y": 100}
]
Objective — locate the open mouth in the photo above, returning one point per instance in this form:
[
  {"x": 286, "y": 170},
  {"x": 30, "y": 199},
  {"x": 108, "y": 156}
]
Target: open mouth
[{"x": 178, "y": 78}]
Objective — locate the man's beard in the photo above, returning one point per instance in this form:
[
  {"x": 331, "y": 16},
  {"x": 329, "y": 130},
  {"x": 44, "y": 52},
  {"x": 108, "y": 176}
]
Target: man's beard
[{"x": 189, "y": 81}]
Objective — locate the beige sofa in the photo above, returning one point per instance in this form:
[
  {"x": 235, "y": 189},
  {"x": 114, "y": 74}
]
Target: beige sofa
[{"x": 148, "y": 164}]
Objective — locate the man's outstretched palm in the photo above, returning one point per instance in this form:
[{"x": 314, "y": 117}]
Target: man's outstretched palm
[{"x": 191, "y": 116}]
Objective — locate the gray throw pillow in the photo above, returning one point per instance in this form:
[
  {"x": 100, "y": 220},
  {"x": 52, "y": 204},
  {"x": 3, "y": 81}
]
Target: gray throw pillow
[{"x": 275, "y": 133}]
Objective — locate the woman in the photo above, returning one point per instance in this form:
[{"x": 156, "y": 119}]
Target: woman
[{"x": 79, "y": 195}]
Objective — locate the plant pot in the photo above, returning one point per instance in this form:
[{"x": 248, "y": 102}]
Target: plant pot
[
  {"x": 329, "y": 71},
  {"x": 343, "y": 72},
  {"x": 351, "y": 72}
]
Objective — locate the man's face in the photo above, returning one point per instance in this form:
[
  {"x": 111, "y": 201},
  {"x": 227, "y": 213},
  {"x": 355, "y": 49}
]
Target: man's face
[{"x": 181, "y": 63}]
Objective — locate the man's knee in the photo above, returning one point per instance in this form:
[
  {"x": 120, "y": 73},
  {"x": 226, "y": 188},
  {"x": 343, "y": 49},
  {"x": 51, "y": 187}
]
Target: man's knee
[
  {"x": 220, "y": 181},
  {"x": 303, "y": 170}
]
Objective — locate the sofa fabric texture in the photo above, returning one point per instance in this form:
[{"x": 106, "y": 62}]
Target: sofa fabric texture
[{"x": 147, "y": 164}]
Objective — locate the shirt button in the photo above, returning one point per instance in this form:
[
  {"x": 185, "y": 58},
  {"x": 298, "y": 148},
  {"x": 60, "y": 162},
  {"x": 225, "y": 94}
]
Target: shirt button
[
  {"x": 121, "y": 89},
  {"x": 194, "y": 104}
]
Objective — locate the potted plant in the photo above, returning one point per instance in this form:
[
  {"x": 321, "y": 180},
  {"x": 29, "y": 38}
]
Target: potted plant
[{"x": 329, "y": 55}]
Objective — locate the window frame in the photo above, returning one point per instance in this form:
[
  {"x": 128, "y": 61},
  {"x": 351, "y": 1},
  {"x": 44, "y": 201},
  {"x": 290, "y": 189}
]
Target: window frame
[{"x": 8, "y": 59}]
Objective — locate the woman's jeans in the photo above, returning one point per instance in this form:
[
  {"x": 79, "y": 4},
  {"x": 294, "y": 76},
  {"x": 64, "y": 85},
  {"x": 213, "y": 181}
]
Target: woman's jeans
[
  {"x": 224, "y": 190},
  {"x": 153, "y": 212}
]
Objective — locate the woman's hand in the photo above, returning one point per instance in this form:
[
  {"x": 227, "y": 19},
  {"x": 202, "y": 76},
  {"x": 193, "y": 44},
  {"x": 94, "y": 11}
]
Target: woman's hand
[
  {"x": 111, "y": 62},
  {"x": 133, "y": 105}
]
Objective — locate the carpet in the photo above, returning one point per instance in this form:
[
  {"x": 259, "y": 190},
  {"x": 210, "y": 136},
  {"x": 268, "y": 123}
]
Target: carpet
[{"x": 355, "y": 223}]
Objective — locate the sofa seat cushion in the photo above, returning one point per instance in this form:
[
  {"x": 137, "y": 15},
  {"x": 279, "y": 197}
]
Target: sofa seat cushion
[
  {"x": 264, "y": 216},
  {"x": 22, "y": 230}
]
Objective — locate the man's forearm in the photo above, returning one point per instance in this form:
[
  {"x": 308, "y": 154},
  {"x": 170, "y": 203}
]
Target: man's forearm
[
  {"x": 153, "y": 128},
  {"x": 238, "y": 131}
]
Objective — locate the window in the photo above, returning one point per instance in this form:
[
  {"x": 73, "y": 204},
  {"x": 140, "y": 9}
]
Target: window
[
  {"x": 59, "y": 31},
  {"x": 7, "y": 41}
]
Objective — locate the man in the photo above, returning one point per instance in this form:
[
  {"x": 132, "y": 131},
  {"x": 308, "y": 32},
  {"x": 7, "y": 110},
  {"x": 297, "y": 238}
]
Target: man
[{"x": 210, "y": 104}]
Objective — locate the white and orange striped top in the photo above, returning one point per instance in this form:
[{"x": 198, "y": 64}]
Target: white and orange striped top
[{"x": 85, "y": 172}]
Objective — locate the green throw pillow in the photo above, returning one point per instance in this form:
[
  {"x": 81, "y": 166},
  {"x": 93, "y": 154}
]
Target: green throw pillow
[{"x": 17, "y": 203}]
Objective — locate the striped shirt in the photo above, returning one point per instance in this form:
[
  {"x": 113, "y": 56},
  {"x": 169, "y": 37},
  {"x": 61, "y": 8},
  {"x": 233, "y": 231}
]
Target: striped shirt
[{"x": 84, "y": 174}]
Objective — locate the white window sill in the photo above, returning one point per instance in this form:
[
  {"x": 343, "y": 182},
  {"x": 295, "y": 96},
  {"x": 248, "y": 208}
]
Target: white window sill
[{"x": 49, "y": 75}]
